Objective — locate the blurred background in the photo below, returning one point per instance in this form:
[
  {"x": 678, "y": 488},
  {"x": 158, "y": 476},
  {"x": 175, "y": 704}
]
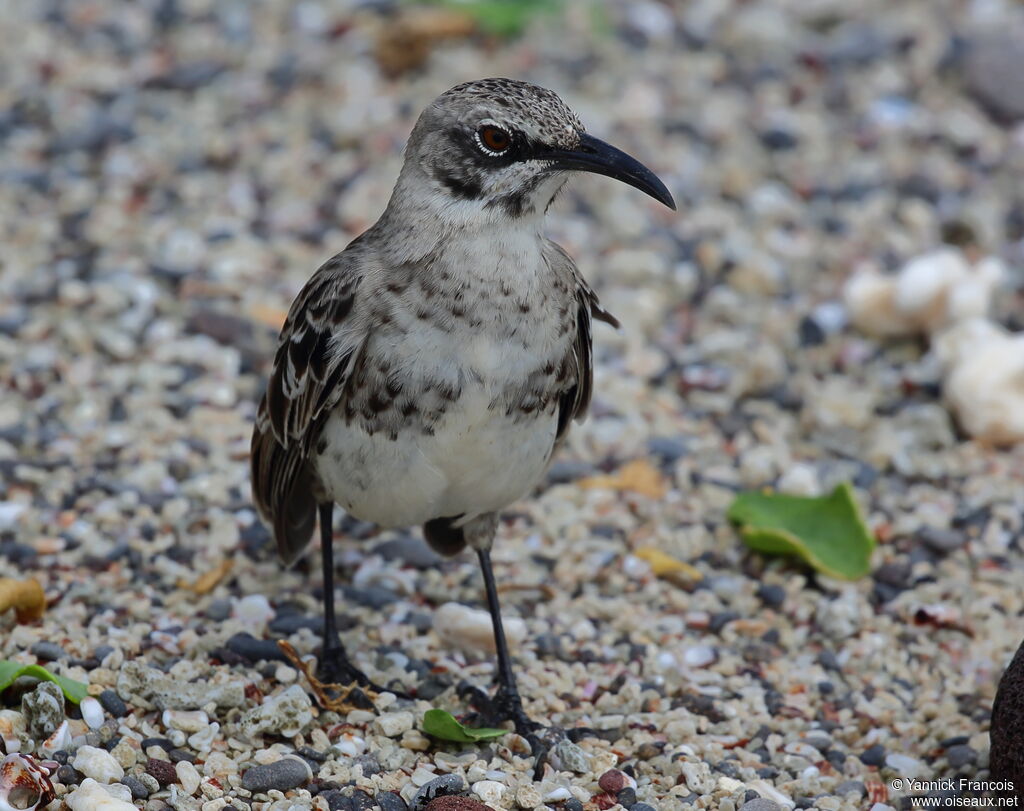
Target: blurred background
[{"x": 850, "y": 232}]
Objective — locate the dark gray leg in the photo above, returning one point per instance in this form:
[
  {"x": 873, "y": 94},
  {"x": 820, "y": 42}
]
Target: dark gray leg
[{"x": 507, "y": 702}]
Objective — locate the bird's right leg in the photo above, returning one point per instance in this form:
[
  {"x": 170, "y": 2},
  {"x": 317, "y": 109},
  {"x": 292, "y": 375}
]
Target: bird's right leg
[{"x": 335, "y": 666}]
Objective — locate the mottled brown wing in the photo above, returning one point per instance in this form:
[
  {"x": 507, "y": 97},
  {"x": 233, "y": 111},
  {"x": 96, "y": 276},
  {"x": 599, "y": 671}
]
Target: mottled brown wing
[
  {"x": 576, "y": 400},
  {"x": 314, "y": 358}
]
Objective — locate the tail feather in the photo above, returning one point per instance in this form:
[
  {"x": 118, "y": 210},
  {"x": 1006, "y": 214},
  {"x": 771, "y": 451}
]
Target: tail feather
[
  {"x": 443, "y": 536},
  {"x": 283, "y": 490}
]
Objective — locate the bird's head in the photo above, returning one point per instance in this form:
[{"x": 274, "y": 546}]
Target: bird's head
[{"x": 500, "y": 148}]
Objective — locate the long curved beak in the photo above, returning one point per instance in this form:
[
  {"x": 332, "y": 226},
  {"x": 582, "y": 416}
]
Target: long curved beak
[{"x": 594, "y": 155}]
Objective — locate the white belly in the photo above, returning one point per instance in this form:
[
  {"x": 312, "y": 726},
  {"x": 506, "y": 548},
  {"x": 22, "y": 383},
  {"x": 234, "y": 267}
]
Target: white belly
[{"x": 476, "y": 461}]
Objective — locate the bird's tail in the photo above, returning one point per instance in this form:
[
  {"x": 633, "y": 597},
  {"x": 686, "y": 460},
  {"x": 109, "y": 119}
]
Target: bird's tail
[
  {"x": 443, "y": 536},
  {"x": 282, "y": 488}
]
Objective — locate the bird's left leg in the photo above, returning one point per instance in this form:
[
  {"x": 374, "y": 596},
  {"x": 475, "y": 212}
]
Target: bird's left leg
[{"x": 506, "y": 704}]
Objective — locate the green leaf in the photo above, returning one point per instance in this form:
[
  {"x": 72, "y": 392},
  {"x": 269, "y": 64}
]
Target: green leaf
[
  {"x": 827, "y": 532},
  {"x": 443, "y": 725},
  {"x": 9, "y": 671}
]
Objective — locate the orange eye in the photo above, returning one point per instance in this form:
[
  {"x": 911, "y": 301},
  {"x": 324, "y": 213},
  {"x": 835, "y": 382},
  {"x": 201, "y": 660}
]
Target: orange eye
[{"x": 493, "y": 139}]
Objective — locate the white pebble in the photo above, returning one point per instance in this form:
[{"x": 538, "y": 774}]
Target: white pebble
[
  {"x": 91, "y": 796},
  {"x": 700, "y": 656},
  {"x": 558, "y": 795},
  {"x": 489, "y": 791},
  {"x": 285, "y": 674},
  {"x": 469, "y": 628},
  {"x": 393, "y": 724},
  {"x": 528, "y": 796},
  {"x": 188, "y": 777},
  {"x": 92, "y": 712},
  {"x": 350, "y": 745},
  {"x": 905, "y": 765},
  {"x": 10, "y": 512},
  {"x": 98, "y": 764},
  {"x": 186, "y": 720},
  {"x": 60, "y": 739},
  {"x": 253, "y": 611},
  {"x": 421, "y": 776},
  {"x": 800, "y": 480},
  {"x": 202, "y": 741}
]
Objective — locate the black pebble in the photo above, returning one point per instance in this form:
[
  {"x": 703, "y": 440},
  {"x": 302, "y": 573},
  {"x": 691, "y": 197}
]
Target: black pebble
[
  {"x": 439, "y": 786},
  {"x": 410, "y": 551},
  {"x": 48, "y": 651},
  {"x": 249, "y": 647},
  {"x": 136, "y": 786},
  {"x": 373, "y": 597},
  {"x": 640, "y": 807},
  {"x": 873, "y": 756},
  {"x": 113, "y": 704},
  {"x": 572, "y": 804},
  {"x": 283, "y": 775},
  {"x": 370, "y": 764},
  {"x": 389, "y": 801},
  {"x": 772, "y": 595},
  {"x": 720, "y": 619},
  {"x": 67, "y": 775},
  {"x": 626, "y": 797}
]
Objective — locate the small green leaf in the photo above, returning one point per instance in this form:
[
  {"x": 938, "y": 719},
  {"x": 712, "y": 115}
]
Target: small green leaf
[
  {"x": 443, "y": 725},
  {"x": 9, "y": 671},
  {"x": 827, "y": 532}
]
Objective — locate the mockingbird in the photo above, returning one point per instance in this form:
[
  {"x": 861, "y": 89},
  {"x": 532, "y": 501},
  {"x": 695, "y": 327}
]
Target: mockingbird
[{"x": 427, "y": 373}]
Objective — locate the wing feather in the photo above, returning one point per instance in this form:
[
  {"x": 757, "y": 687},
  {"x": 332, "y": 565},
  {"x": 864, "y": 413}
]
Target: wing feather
[{"x": 314, "y": 359}]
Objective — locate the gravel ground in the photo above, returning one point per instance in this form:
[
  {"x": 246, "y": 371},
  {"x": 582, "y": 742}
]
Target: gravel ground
[{"x": 171, "y": 174}]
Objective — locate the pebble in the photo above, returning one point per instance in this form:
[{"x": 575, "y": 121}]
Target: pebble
[
  {"x": 489, "y": 791},
  {"x": 454, "y": 803},
  {"x": 43, "y": 709},
  {"x": 393, "y": 724},
  {"x": 91, "y": 796},
  {"x": 772, "y": 595},
  {"x": 571, "y": 757},
  {"x": 282, "y": 775},
  {"x": 760, "y": 804},
  {"x": 98, "y": 764},
  {"x": 943, "y": 540},
  {"x": 92, "y": 712},
  {"x": 162, "y": 770},
  {"x": 188, "y": 777},
  {"x": 138, "y": 789},
  {"x": 286, "y": 713},
  {"x": 904, "y": 765},
  {"x": 443, "y": 785},
  {"x": 873, "y": 755},
  {"x": 113, "y": 704},
  {"x": 471, "y": 628},
  {"x": 48, "y": 651},
  {"x": 528, "y": 796},
  {"x": 961, "y": 755},
  {"x": 389, "y": 801},
  {"x": 613, "y": 781}
]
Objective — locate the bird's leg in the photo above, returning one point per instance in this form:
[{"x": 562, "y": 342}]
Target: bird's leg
[
  {"x": 506, "y": 702},
  {"x": 335, "y": 667}
]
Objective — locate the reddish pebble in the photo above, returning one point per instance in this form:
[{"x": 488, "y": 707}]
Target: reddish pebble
[
  {"x": 455, "y": 803},
  {"x": 604, "y": 801},
  {"x": 162, "y": 770},
  {"x": 613, "y": 781}
]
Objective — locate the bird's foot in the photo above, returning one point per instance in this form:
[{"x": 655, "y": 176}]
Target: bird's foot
[
  {"x": 506, "y": 705},
  {"x": 337, "y": 683}
]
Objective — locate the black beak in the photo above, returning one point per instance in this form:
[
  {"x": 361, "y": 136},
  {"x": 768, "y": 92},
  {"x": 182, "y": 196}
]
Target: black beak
[{"x": 594, "y": 155}]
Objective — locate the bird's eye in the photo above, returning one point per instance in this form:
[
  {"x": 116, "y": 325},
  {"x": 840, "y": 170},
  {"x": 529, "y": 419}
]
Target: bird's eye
[{"x": 493, "y": 140}]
